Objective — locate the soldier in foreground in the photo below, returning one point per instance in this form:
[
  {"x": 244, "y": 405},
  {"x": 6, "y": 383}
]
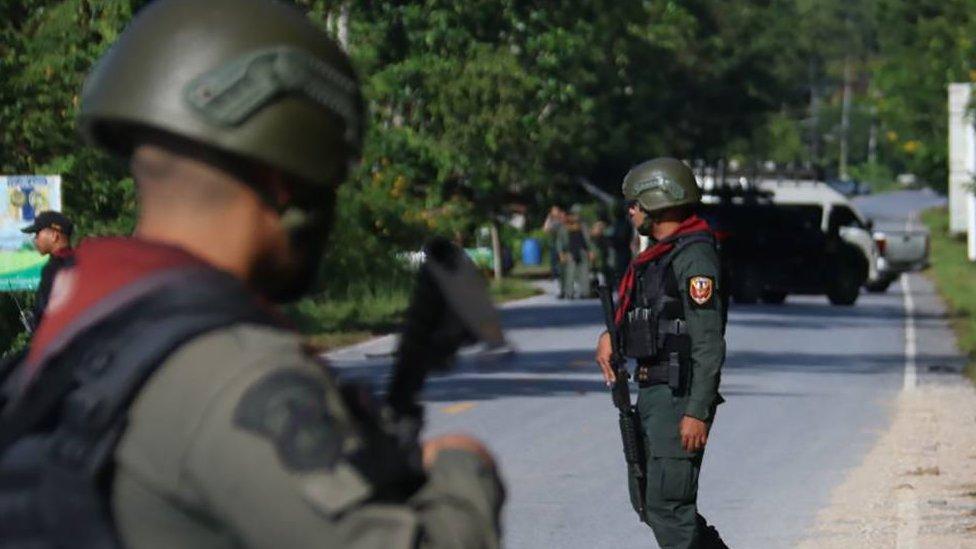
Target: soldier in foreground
[
  {"x": 669, "y": 319},
  {"x": 239, "y": 119}
]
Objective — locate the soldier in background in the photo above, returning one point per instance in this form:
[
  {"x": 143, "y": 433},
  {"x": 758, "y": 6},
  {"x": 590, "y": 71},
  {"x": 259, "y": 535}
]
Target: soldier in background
[
  {"x": 239, "y": 119},
  {"x": 552, "y": 226},
  {"x": 671, "y": 318},
  {"x": 576, "y": 255}
]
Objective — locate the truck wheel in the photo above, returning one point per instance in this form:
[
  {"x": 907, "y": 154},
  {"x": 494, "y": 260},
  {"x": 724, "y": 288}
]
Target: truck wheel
[
  {"x": 844, "y": 288},
  {"x": 878, "y": 287},
  {"x": 849, "y": 274},
  {"x": 843, "y": 296},
  {"x": 773, "y": 298}
]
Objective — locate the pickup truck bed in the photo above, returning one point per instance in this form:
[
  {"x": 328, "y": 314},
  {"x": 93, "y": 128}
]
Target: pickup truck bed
[{"x": 899, "y": 252}]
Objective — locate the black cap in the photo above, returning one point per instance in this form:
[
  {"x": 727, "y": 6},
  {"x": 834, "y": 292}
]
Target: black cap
[{"x": 50, "y": 219}]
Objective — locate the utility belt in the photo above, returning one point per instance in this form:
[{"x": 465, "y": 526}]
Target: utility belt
[
  {"x": 670, "y": 371},
  {"x": 662, "y": 351}
]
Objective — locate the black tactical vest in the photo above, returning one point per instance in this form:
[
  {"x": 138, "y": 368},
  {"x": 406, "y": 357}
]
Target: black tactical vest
[
  {"x": 654, "y": 330},
  {"x": 57, "y": 439}
]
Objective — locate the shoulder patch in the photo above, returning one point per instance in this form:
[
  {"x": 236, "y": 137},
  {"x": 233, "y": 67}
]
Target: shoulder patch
[
  {"x": 701, "y": 290},
  {"x": 288, "y": 408}
]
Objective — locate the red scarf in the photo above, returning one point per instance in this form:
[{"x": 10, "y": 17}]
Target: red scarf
[
  {"x": 102, "y": 266},
  {"x": 693, "y": 224}
]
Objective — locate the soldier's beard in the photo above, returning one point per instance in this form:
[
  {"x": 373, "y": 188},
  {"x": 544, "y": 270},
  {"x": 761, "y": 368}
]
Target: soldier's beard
[
  {"x": 286, "y": 276},
  {"x": 646, "y": 228}
]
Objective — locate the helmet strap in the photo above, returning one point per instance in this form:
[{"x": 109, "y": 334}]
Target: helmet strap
[{"x": 647, "y": 226}]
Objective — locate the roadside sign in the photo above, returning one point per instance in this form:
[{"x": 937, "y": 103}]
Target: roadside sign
[{"x": 23, "y": 197}]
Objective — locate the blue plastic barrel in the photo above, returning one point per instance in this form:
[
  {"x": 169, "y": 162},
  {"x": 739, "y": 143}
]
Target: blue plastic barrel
[{"x": 531, "y": 252}]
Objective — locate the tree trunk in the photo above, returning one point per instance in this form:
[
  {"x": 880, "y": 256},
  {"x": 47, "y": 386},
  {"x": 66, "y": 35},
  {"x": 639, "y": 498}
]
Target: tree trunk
[
  {"x": 338, "y": 25},
  {"x": 344, "y": 26},
  {"x": 496, "y": 249}
]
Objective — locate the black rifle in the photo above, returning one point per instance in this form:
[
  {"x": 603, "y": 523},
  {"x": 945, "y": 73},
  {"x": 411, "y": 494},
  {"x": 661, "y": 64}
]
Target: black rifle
[
  {"x": 630, "y": 422},
  {"x": 450, "y": 307},
  {"x": 25, "y": 317}
]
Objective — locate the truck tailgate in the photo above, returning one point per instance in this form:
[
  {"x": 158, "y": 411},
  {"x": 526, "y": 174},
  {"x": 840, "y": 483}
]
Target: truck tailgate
[{"x": 903, "y": 248}]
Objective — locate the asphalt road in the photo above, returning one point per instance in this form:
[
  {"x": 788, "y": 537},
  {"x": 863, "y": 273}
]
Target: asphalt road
[{"x": 808, "y": 387}]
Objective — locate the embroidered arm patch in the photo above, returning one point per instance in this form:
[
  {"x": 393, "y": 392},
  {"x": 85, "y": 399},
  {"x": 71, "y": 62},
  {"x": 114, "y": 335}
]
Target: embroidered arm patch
[
  {"x": 701, "y": 290},
  {"x": 288, "y": 408}
]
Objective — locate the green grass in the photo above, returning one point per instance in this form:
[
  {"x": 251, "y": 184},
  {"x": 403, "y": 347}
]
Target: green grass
[
  {"x": 535, "y": 272},
  {"x": 511, "y": 289},
  {"x": 333, "y": 323},
  {"x": 955, "y": 277}
]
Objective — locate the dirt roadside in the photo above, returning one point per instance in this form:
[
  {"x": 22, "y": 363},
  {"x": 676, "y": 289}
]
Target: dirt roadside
[{"x": 917, "y": 487}]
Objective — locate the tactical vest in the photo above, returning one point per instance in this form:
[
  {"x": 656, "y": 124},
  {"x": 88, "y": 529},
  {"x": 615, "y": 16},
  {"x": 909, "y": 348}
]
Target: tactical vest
[
  {"x": 57, "y": 439},
  {"x": 654, "y": 329}
]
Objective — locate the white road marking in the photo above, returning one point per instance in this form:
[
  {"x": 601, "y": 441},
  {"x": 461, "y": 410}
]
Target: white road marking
[
  {"x": 908, "y": 512},
  {"x": 911, "y": 341}
]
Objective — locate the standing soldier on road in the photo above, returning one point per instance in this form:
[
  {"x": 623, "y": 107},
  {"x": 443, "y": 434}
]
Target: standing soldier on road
[
  {"x": 576, "y": 255},
  {"x": 186, "y": 414},
  {"x": 670, "y": 318},
  {"x": 552, "y": 227}
]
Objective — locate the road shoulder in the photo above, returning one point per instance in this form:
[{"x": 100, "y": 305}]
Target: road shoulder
[{"x": 917, "y": 485}]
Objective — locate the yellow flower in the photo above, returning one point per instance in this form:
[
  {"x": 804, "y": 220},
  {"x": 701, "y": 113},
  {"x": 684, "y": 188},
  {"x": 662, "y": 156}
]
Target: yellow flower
[
  {"x": 892, "y": 136},
  {"x": 911, "y": 146},
  {"x": 400, "y": 184}
]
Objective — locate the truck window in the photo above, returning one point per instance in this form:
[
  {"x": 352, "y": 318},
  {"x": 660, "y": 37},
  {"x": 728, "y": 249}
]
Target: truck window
[
  {"x": 842, "y": 216},
  {"x": 805, "y": 218}
]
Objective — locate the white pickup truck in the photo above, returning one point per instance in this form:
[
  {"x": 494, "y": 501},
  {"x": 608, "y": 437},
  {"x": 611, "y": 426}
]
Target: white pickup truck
[{"x": 887, "y": 253}]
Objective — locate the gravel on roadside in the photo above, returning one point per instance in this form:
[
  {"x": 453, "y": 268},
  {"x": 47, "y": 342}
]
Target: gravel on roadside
[{"x": 917, "y": 486}]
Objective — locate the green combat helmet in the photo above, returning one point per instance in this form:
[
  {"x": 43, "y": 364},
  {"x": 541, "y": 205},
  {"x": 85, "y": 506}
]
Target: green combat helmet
[
  {"x": 661, "y": 183},
  {"x": 253, "y": 79}
]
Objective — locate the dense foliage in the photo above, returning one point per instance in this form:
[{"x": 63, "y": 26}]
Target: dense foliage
[{"x": 476, "y": 105}]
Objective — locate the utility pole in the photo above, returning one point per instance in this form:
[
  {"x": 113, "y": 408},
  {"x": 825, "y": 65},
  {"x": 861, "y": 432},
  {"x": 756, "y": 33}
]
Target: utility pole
[
  {"x": 814, "y": 114},
  {"x": 873, "y": 137},
  {"x": 845, "y": 118}
]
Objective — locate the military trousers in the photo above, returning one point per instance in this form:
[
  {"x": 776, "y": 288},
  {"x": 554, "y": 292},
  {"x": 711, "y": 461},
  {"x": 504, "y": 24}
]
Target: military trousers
[
  {"x": 576, "y": 278},
  {"x": 671, "y": 502}
]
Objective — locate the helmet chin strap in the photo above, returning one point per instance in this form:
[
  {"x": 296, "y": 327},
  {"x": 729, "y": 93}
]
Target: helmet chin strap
[
  {"x": 306, "y": 231},
  {"x": 646, "y": 228}
]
